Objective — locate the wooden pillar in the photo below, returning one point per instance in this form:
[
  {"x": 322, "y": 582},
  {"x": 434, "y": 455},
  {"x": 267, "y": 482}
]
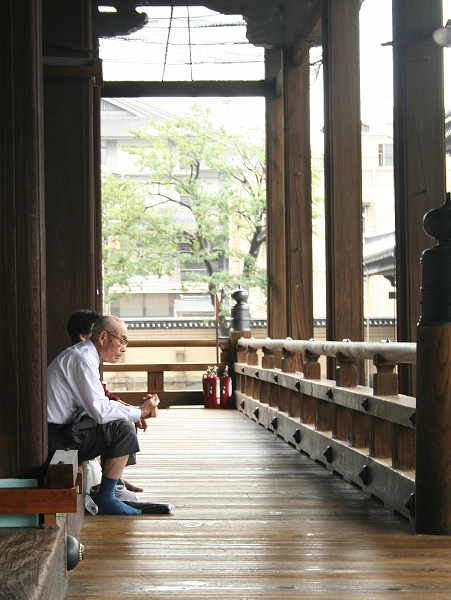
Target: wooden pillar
[
  {"x": 343, "y": 176},
  {"x": 70, "y": 189},
  {"x": 97, "y": 133},
  {"x": 419, "y": 155},
  {"x": 275, "y": 212},
  {"x": 433, "y": 410},
  {"x": 23, "y": 430},
  {"x": 298, "y": 195}
]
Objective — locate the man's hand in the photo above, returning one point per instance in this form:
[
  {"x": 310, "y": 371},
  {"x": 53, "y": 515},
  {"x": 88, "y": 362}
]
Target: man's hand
[
  {"x": 149, "y": 406},
  {"x": 142, "y": 424}
]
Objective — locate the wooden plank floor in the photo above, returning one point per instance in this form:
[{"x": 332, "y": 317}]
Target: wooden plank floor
[{"x": 253, "y": 518}]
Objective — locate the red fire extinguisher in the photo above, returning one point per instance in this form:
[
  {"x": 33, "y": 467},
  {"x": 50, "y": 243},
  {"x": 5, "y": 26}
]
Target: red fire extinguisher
[
  {"x": 205, "y": 387},
  {"x": 226, "y": 389},
  {"x": 214, "y": 389}
]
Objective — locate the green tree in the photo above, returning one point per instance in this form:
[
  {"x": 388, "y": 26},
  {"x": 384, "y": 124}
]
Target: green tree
[
  {"x": 138, "y": 241},
  {"x": 180, "y": 216}
]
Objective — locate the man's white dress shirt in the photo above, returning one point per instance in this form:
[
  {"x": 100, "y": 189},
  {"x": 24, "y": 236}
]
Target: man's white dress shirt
[{"x": 73, "y": 381}]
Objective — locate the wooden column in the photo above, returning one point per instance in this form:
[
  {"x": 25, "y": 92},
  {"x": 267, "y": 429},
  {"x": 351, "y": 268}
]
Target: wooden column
[
  {"x": 433, "y": 410},
  {"x": 275, "y": 212},
  {"x": 342, "y": 164},
  {"x": 97, "y": 133},
  {"x": 22, "y": 274},
  {"x": 298, "y": 195},
  {"x": 418, "y": 153},
  {"x": 71, "y": 216}
]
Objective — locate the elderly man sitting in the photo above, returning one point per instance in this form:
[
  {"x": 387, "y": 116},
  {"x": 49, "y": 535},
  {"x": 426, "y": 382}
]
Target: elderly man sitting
[{"x": 73, "y": 383}]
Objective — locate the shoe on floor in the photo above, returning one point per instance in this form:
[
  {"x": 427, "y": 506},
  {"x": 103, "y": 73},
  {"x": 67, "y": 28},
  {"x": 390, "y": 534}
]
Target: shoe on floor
[{"x": 151, "y": 508}]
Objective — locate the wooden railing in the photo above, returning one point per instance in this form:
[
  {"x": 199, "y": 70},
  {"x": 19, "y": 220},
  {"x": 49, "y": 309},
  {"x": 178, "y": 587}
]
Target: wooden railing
[
  {"x": 155, "y": 372},
  {"x": 367, "y": 435}
]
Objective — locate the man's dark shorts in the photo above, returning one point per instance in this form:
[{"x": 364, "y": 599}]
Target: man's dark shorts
[{"x": 113, "y": 439}]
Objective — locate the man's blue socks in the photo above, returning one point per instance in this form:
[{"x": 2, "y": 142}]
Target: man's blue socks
[{"x": 108, "y": 503}]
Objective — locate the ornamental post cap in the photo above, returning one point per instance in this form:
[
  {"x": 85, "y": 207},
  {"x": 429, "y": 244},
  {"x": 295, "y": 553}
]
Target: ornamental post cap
[{"x": 437, "y": 221}]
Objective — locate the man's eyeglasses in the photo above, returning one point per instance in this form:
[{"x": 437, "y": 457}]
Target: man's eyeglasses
[{"x": 123, "y": 340}]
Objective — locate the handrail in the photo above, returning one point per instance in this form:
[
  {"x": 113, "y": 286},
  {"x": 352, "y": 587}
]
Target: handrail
[
  {"x": 402, "y": 352},
  {"x": 186, "y": 343},
  {"x": 156, "y": 367}
]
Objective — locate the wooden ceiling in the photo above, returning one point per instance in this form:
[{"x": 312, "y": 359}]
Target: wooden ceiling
[{"x": 269, "y": 24}]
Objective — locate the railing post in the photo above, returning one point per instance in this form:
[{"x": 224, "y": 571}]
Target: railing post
[
  {"x": 226, "y": 353},
  {"x": 238, "y": 353},
  {"x": 252, "y": 356},
  {"x": 385, "y": 381},
  {"x": 433, "y": 422},
  {"x": 155, "y": 382},
  {"x": 268, "y": 359},
  {"x": 312, "y": 368},
  {"x": 288, "y": 361},
  {"x": 346, "y": 371}
]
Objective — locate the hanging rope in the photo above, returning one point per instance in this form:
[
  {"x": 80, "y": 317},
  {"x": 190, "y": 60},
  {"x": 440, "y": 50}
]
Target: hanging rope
[{"x": 167, "y": 41}]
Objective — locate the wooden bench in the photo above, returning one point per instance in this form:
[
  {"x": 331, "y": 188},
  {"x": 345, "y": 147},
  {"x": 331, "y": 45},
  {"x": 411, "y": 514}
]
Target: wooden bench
[
  {"x": 42, "y": 574},
  {"x": 59, "y": 497}
]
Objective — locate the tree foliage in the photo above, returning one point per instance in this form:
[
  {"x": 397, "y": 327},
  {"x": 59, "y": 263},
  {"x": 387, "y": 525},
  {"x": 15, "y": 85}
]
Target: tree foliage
[{"x": 179, "y": 216}]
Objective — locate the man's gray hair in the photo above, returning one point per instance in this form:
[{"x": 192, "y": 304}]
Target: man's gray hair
[{"x": 106, "y": 323}]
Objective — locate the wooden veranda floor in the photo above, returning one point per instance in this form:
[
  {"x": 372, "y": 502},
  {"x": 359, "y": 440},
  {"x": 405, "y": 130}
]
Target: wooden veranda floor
[{"x": 253, "y": 518}]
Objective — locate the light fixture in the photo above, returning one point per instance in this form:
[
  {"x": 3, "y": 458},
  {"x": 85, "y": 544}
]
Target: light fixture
[{"x": 442, "y": 35}]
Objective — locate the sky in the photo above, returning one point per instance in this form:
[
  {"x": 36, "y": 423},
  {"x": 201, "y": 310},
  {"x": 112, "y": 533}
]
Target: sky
[{"x": 239, "y": 113}]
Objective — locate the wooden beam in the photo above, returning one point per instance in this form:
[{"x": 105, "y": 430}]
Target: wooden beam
[
  {"x": 72, "y": 71},
  {"x": 63, "y": 469},
  {"x": 157, "y": 367},
  {"x": 170, "y": 343},
  {"x": 31, "y": 501},
  {"x": 309, "y": 34},
  {"x": 167, "y": 398},
  {"x": 142, "y": 89},
  {"x": 419, "y": 153},
  {"x": 343, "y": 176}
]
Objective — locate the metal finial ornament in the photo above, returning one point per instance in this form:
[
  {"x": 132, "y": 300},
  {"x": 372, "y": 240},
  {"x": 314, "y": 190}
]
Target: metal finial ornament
[{"x": 240, "y": 312}]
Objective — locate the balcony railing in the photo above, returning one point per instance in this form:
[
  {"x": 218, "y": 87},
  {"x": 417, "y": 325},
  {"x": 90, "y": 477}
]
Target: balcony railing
[
  {"x": 371, "y": 436},
  {"x": 155, "y": 373},
  {"x": 367, "y": 435}
]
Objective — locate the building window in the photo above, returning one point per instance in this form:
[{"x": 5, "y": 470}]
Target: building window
[
  {"x": 103, "y": 155},
  {"x": 364, "y": 218},
  {"x": 385, "y": 155}
]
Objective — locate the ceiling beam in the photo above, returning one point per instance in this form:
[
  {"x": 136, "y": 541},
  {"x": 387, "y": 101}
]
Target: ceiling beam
[{"x": 190, "y": 89}]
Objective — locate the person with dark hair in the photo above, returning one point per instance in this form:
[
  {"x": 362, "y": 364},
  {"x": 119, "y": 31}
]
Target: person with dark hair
[
  {"x": 73, "y": 384},
  {"x": 79, "y": 327}
]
